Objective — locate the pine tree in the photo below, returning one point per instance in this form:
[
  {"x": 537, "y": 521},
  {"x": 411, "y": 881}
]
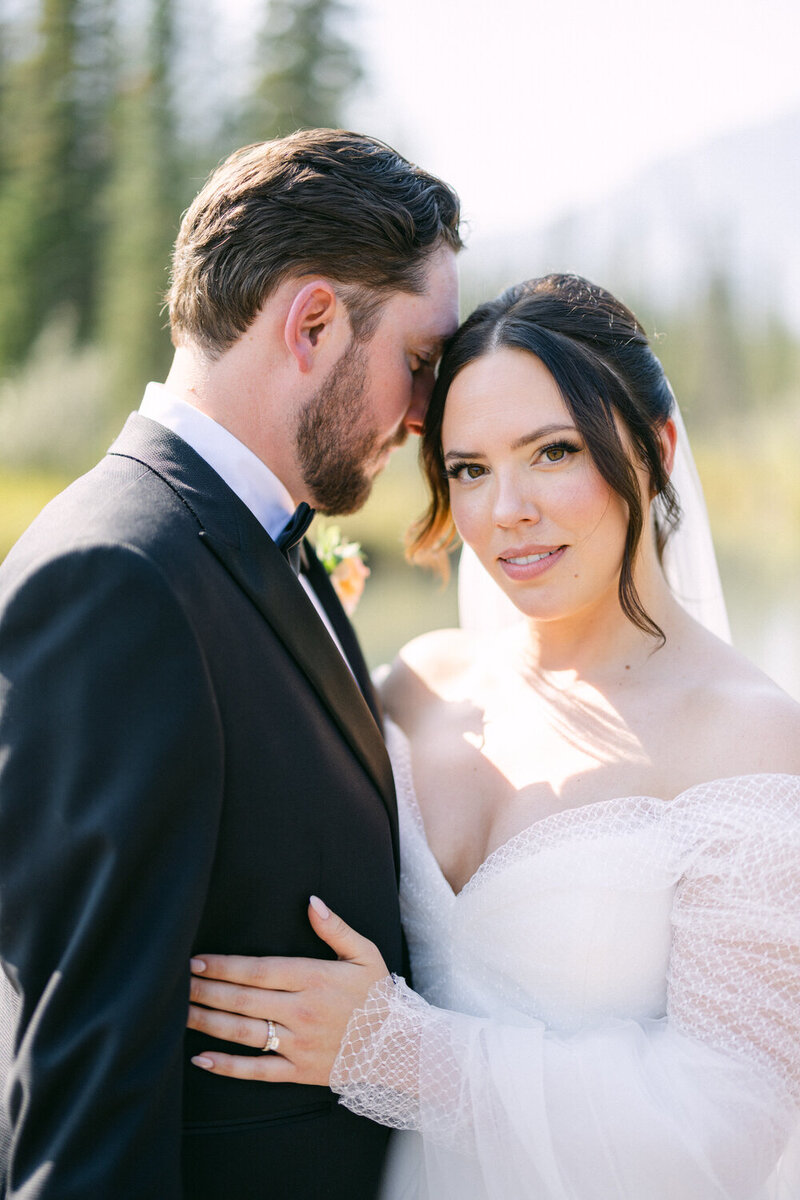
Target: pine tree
[
  {"x": 309, "y": 68},
  {"x": 5, "y": 62},
  {"x": 53, "y": 165},
  {"x": 142, "y": 210}
]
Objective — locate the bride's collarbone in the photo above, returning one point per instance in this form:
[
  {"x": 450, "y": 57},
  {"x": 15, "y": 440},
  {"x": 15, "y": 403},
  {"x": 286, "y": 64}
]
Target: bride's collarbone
[
  {"x": 529, "y": 740},
  {"x": 491, "y": 760}
]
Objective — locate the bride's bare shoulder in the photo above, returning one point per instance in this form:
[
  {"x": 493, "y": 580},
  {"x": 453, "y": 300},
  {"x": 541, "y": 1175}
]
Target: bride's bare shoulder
[
  {"x": 766, "y": 725},
  {"x": 426, "y": 671},
  {"x": 739, "y": 707}
]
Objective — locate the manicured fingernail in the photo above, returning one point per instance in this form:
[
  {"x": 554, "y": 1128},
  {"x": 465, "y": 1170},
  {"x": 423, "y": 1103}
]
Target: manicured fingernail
[
  {"x": 197, "y": 965},
  {"x": 321, "y": 909},
  {"x": 207, "y": 1064}
]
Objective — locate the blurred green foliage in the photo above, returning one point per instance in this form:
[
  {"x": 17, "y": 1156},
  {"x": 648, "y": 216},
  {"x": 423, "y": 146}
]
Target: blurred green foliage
[
  {"x": 111, "y": 116},
  {"x": 23, "y": 494},
  {"x": 105, "y": 135},
  {"x": 307, "y": 68}
]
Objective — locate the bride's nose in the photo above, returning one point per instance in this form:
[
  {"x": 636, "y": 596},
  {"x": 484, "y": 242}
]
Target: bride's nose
[{"x": 513, "y": 504}]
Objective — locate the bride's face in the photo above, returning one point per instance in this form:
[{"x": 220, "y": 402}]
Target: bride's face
[{"x": 525, "y": 493}]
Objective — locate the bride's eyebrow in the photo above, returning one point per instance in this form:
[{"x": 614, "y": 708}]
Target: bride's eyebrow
[
  {"x": 544, "y": 431},
  {"x": 458, "y": 454},
  {"x": 518, "y": 443}
]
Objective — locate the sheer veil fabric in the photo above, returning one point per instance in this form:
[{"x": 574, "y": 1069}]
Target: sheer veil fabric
[{"x": 610, "y": 1008}]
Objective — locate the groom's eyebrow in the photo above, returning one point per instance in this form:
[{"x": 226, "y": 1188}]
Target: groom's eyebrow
[{"x": 518, "y": 443}]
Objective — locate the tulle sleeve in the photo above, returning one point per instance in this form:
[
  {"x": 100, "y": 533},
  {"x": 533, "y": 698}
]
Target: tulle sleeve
[{"x": 699, "y": 1105}]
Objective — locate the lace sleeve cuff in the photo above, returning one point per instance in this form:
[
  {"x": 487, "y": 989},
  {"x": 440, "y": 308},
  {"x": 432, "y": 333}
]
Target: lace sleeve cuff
[{"x": 376, "y": 1072}]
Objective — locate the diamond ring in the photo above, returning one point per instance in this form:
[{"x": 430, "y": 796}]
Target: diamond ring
[{"x": 273, "y": 1041}]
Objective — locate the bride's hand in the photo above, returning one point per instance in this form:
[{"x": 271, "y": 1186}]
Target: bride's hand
[{"x": 307, "y": 1001}]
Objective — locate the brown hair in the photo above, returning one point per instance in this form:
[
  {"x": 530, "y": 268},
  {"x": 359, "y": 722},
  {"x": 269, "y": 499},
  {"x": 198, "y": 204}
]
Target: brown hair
[
  {"x": 320, "y": 200},
  {"x": 599, "y": 356}
]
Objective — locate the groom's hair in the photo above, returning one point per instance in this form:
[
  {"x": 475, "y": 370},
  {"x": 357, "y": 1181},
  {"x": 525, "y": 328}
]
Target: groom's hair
[{"x": 321, "y": 201}]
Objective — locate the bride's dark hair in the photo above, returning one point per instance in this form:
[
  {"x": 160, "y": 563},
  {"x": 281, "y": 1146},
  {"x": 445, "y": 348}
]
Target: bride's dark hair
[{"x": 600, "y": 358}]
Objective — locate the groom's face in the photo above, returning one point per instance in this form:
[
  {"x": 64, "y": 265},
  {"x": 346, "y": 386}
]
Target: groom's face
[{"x": 377, "y": 393}]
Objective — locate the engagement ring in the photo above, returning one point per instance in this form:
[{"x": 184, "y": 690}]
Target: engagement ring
[{"x": 273, "y": 1041}]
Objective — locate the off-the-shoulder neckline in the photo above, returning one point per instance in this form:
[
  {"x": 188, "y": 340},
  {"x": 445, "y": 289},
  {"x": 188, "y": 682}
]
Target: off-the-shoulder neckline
[{"x": 561, "y": 817}]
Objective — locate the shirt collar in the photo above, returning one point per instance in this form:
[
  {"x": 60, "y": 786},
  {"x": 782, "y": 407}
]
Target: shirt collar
[{"x": 242, "y": 470}]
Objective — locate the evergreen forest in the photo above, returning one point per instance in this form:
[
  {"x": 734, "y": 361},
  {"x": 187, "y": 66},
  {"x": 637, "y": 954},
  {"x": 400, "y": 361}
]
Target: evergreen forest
[{"x": 113, "y": 112}]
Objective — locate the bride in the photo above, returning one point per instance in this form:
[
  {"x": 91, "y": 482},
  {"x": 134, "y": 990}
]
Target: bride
[{"x": 600, "y": 819}]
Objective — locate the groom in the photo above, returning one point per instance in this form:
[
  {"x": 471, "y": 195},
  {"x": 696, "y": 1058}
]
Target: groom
[{"x": 189, "y": 742}]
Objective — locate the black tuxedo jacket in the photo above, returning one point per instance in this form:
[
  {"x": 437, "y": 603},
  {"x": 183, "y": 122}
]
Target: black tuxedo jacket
[{"x": 184, "y": 759}]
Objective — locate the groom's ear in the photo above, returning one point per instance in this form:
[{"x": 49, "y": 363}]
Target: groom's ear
[
  {"x": 312, "y": 328},
  {"x": 668, "y": 439}
]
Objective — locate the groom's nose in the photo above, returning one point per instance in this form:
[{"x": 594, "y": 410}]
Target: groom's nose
[{"x": 420, "y": 398}]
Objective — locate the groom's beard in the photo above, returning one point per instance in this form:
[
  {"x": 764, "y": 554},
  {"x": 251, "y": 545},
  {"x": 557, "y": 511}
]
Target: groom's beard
[{"x": 338, "y": 450}]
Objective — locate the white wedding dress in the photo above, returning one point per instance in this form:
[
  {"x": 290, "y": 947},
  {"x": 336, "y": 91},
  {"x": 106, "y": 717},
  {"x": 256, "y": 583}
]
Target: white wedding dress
[{"x": 608, "y": 1010}]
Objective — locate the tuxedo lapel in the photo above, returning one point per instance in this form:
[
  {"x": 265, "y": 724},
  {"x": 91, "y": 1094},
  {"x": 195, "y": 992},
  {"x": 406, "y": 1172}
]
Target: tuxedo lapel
[
  {"x": 272, "y": 586},
  {"x": 320, "y": 581},
  {"x": 230, "y": 531}
]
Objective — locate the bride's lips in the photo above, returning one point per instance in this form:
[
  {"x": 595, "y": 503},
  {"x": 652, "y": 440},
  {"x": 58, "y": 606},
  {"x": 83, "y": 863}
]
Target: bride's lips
[{"x": 528, "y": 562}]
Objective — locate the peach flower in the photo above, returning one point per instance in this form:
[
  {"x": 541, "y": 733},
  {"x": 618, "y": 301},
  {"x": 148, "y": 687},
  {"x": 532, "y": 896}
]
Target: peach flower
[{"x": 348, "y": 578}]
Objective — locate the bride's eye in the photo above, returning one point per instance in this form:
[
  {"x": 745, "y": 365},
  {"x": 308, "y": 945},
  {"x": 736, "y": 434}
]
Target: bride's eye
[
  {"x": 465, "y": 472},
  {"x": 558, "y": 451}
]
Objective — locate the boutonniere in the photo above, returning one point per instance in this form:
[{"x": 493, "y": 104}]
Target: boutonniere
[{"x": 344, "y": 562}]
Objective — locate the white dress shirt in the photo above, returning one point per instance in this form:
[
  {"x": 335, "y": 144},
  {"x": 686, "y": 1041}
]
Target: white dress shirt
[{"x": 242, "y": 470}]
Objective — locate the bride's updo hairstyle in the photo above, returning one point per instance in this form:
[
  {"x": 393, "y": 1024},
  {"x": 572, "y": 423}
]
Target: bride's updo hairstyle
[{"x": 599, "y": 356}]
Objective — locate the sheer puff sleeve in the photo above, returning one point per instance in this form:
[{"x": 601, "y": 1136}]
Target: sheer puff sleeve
[{"x": 700, "y": 1104}]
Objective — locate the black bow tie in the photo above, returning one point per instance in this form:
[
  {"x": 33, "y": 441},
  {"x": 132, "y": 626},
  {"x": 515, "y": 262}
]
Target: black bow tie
[{"x": 289, "y": 539}]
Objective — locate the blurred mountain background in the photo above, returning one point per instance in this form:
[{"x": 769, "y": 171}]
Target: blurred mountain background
[
  {"x": 112, "y": 113},
  {"x": 727, "y": 211}
]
